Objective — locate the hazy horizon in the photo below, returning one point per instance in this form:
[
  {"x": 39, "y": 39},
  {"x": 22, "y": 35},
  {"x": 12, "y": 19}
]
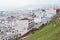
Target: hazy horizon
[{"x": 17, "y": 4}]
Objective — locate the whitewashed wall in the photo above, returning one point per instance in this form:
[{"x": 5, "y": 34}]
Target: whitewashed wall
[
  {"x": 50, "y": 12},
  {"x": 22, "y": 26}
]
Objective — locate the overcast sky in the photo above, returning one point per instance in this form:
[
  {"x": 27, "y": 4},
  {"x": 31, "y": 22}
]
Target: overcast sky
[{"x": 6, "y": 4}]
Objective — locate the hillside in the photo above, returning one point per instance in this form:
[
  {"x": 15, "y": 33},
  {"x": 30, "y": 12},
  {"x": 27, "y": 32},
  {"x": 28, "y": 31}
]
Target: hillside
[{"x": 50, "y": 32}]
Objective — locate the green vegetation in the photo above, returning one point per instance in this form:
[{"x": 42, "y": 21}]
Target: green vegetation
[{"x": 49, "y": 32}]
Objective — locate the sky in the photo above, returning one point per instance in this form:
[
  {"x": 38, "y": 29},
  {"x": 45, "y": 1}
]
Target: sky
[{"x": 10, "y": 4}]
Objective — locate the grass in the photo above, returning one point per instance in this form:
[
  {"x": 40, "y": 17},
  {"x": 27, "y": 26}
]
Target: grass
[{"x": 49, "y": 32}]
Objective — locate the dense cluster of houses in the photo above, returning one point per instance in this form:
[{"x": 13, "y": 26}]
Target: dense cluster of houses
[{"x": 19, "y": 26}]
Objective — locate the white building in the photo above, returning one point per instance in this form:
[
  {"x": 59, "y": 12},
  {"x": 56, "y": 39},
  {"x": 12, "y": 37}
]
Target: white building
[
  {"x": 50, "y": 13},
  {"x": 43, "y": 16},
  {"x": 22, "y": 25}
]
